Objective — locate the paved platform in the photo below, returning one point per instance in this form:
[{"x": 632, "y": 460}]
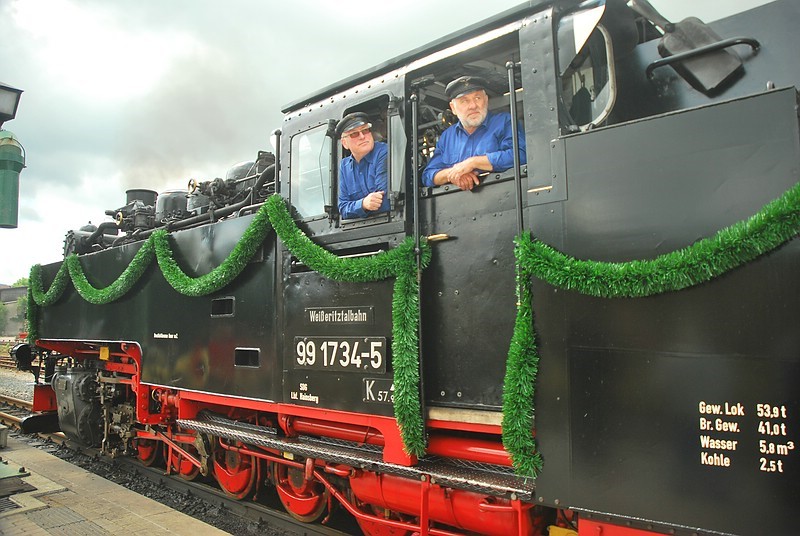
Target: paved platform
[{"x": 69, "y": 500}]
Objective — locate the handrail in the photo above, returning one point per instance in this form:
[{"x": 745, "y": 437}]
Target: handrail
[
  {"x": 713, "y": 47},
  {"x": 512, "y": 97}
]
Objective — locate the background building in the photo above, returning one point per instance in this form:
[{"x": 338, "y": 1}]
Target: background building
[{"x": 12, "y": 311}]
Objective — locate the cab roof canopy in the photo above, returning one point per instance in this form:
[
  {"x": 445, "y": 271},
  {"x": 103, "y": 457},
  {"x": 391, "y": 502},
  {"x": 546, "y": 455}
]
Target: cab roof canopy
[{"x": 473, "y": 30}]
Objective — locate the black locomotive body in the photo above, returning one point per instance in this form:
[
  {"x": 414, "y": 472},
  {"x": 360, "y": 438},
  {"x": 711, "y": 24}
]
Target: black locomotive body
[{"x": 656, "y": 411}]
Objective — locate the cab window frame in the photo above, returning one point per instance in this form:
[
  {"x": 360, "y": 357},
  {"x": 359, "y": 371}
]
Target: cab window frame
[
  {"x": 587, "y": 88},
  {"x": 387, "y": 122},
  {"x": 300, "y": 157},
  {"x": 489, "y": 60}
]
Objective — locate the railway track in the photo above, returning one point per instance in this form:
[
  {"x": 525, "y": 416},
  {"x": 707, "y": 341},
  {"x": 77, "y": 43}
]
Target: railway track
[
  {"x": 266, "y": 511},
  {"x": 7, "y": 362},
  {"x": 13, "y": 410}
]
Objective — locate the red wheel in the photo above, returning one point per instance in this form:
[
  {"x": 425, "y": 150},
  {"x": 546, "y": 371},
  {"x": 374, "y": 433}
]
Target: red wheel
[
  {"x": 180, "y": 465},
  {"x": 303, "y": 500},
  {"x": 147, "y": 450},
  {"x": 236, "y": 473}
]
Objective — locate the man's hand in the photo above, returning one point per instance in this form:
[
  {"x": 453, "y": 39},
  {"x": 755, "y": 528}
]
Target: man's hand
[
  {"x": 462, "y": 168},
  {"x": 466, "y": 181},
  {"x": 372, "y": 201},
  {"x": 465, "y": 173}
]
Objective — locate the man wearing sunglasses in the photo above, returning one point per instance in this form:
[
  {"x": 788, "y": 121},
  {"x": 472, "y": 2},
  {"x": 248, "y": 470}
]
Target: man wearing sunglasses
[
  {"x": 362, "y": 175},
  {"x": 478, "y": 143}
]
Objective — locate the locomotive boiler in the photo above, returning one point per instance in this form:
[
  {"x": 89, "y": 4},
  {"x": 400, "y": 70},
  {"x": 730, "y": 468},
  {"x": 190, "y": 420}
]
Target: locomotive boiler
[{"x": 601, "y": 340}]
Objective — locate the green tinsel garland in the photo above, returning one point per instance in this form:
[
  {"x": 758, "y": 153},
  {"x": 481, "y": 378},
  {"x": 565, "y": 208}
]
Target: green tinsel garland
[
  {"x": 742, "y": 242},
  {"x": 400, "y": 263},
  {"x": 32, "y": 316},
  {"x": 405, "y": 353},
  {"x": 71, "y": 269},
  {"x": 56, "y": 288},
  {"x": 223, "y": 274},
  {"x": 117, "y": 289},
  {"x": 38, "y": 297},
  {"x": 775, "y": 224},
  {"x": 520, "y": 381},
  {"x": 352, "y": 270}
]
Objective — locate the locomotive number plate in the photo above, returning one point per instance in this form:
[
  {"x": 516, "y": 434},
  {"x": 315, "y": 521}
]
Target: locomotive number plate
[{"x": 343, "y": 354}]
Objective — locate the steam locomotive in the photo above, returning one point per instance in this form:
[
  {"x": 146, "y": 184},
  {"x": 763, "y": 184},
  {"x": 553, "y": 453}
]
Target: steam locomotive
[{"x": 601, "y": 341}]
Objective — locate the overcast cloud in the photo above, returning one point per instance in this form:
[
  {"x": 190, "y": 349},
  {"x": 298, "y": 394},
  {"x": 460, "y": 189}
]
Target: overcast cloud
[{"x": 147, "y": 94}]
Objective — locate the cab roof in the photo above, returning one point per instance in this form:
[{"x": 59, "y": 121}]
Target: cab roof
[{"x": 473, "y": 30}]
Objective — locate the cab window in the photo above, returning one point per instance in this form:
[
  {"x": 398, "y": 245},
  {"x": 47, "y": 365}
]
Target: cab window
[
  {"x": 487, "y": 60},
  {"x": 587, "y": 85},
  {"x": 586, "y": 67},
  {"x": 310, "y": 171},
  {"x": 387, "y": 127}
]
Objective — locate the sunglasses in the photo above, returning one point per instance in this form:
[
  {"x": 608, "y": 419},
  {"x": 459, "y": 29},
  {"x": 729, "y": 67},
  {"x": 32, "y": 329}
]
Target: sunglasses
[{"x": 358, "y": 133}]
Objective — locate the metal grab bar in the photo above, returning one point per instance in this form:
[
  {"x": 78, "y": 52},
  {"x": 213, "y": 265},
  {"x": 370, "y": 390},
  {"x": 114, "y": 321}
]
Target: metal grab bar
[
  {"x": 713, "y": 47},
  {"x": 512, "y": 98}
]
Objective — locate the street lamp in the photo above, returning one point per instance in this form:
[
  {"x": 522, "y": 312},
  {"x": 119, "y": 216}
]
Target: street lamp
[
  {"x": 12, "y": 158},
  {"x": 9, "y": 102}
]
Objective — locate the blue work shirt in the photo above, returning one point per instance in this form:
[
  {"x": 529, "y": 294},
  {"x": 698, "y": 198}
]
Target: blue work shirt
[
  {"x": 359, "y": 179},
  {"x": 492, "y": 138}
]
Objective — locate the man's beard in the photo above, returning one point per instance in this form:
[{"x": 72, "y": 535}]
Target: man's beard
[{"x": 474, "y": 122}]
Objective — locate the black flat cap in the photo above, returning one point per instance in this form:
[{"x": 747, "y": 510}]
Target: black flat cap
[
  {"x": 463, "y": 85},
  {"x": 351, "y": 121}
]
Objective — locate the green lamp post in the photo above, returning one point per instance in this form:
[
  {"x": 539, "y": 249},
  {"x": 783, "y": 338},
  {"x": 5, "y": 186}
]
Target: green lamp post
[{"x": 12, "y": 158}]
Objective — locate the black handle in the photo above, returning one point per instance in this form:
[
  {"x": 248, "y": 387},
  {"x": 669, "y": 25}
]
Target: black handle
[{"x": 713, "y": 47}]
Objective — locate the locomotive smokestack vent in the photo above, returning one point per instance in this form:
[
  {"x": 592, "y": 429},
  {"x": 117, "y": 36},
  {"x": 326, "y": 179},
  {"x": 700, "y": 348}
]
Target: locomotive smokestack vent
[
  {"x": 171, "y": 205},
  {"x": 147, "y": 197}
]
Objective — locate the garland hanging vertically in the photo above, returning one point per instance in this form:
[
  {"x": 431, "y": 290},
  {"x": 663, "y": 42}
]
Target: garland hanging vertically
[
  {"x": 405, "y": 360},
  {"x": 773, "y": 225},
  {"x": 37, "y": 297},
  {"x": 400, "y": 263},
  {"x": 520, "y": 381},
  {"x": 32, "y": 318}
]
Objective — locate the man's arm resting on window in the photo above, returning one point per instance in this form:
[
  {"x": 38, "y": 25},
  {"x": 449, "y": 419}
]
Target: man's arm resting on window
[{"x": 468, "y": 166}]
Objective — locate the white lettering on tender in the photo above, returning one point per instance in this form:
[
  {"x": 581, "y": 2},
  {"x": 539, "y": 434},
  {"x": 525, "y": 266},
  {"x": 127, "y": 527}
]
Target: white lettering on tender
[
  {"x": 726, "y": 426},
  {"x": 309, "y": 398},
  {"x": 708, "y": 442},
  {"x": 350, "y": 315},
  {"x": 710, "y": 409},
  {"x": 715, "y": 459},
  {"x": 165, "y": 335},
  {"x": 738, "y": 409}
]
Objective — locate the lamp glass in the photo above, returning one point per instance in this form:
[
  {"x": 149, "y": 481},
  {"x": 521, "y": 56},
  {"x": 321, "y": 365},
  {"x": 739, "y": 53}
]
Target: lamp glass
[{"x": 9, "y": 99}]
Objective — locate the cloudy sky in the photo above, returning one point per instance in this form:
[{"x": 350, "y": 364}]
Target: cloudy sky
[{"x": 147, "y": 94}]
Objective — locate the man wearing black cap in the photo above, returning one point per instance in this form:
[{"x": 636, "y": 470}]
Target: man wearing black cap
[
  {"x": 363, "y": 174},
  {"x": 480, "y": 141}
]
